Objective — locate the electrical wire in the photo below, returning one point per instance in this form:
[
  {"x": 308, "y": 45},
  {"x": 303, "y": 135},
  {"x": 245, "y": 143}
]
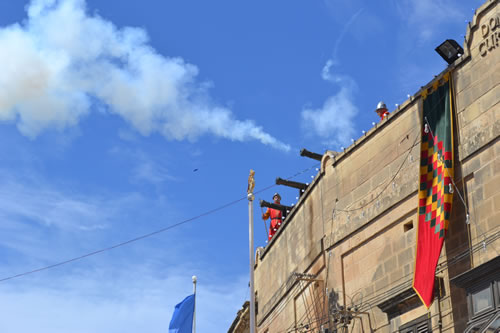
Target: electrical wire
[
  {"x": 445, "y": 169},
  {"x": 395, "y": 289},
  {"x": 138, "y": 238},
  {"x": 283, "y": 301},
  {"x": 410, "y": 149},
  {"x": 441, "y": 267},
  {"x": 308, "y": 325},
  {"x": 376, "y": 197},
  {"x": 386, "y": 185},
  {"x": 383, "y": 190},
  {"x": 417, "y": 136},
  {"x": 390, "y": 293}
]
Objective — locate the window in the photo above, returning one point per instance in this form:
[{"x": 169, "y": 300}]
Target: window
[
  {"x": 482, "y": 285},
  {"x": 481, "y": 300},
  {"x": 484, "y": 309},
  {"x": 419, "y": 325}
]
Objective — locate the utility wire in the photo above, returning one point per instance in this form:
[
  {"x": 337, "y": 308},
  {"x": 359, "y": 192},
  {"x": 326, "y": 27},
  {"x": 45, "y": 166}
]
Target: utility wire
[
  {"x": 306, "y": 324},
  {"x": 455, "y": 256},
  {"x": 441, "y": 267},
  {"x": 415, "y": 142},
  {"x": 123, "y": 243},
  {"x": 410, "y": 150},
  {"x": 375, "y": 297},
  {"x": 451, "y": 261},
  {"x": 386, "y": 185},
  {"x": 445, "y": 169},
  {"x": 159, "y": 231}
]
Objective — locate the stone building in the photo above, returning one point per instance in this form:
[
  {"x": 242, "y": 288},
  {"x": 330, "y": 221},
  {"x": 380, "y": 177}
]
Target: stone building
[
  {"x": 343, "y": 260},
  {"x": 241, "y": 322}
]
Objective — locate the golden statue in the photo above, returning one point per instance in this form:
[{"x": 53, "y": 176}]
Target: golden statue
[{"x": 251, "y": 182}]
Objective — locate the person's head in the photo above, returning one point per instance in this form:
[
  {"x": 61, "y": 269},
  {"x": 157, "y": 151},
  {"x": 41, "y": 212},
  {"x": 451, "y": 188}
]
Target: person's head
[
  {"x": 276, "y": 198},
  {"x": 381, "y": 110}
]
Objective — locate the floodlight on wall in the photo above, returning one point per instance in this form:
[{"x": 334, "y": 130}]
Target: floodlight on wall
[{"x": 450, "y": 51}]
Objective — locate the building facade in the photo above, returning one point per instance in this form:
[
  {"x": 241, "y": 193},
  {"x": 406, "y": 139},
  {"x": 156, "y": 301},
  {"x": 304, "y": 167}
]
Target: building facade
[{"x": 343, "y": 261}]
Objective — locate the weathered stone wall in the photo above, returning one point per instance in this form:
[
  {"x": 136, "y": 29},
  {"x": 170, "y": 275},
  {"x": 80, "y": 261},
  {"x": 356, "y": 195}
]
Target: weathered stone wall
[
  {"x": 354, "y": 228},
  {"x": 478, "y": 118}
]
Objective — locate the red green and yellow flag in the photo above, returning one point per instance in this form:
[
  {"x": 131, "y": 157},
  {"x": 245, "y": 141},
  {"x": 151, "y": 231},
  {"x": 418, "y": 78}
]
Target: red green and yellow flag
[{"x": 435, "y": 194}]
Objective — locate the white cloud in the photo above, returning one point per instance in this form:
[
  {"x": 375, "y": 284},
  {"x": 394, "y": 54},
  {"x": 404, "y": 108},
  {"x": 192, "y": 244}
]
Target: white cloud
[
  {"x": 37, "y": 202},
  {"x": 131, "y": 298},
  {"x": 37, "y": 217},
  {"x": 62, "y": 59},
  {"x": 133, "y": 289}
]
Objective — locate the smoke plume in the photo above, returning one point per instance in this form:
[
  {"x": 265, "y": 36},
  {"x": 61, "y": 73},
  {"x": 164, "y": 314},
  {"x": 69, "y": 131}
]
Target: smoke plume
[{"x": 61, "y": 63}]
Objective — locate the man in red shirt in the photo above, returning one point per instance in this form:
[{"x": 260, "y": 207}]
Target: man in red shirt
[
  {"x": 382, "y": 110},
  {"x": 275, "y": 214}
]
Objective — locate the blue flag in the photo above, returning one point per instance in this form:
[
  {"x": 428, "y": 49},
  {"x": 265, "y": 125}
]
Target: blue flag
[{"x": 182, "y": 319}]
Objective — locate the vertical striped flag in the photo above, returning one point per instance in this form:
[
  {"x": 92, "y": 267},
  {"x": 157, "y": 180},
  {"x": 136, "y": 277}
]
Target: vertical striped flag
[{"x": 435, "y": 194}]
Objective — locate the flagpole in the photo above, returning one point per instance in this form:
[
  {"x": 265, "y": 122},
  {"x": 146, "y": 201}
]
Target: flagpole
[
  {"x": 194, "y": 311},
  {"x": 251, "y": 197}
]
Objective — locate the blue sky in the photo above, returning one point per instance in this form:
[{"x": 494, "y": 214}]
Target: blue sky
[{"x": 119, "y": 118}]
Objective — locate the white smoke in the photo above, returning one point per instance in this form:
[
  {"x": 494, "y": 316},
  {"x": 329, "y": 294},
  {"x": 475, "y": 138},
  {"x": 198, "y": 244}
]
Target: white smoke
[
  {"x": 334, "y": 121},
  {"x": 61, "y": 61}
]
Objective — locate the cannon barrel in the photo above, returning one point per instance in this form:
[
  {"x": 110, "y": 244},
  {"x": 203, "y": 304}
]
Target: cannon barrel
[
  {"x": 307, "y": 153},
  {"x": 284, "y": 209},
  {"x": 300, "y": 186}
]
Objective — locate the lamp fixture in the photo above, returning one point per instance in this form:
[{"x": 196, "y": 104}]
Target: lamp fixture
[{"x": 450, "y": 51}]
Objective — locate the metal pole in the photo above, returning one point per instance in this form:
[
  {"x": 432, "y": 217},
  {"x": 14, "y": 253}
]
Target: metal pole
[
  {"x": 251, "y": 197},
  {"x": 194, "y": 312}
]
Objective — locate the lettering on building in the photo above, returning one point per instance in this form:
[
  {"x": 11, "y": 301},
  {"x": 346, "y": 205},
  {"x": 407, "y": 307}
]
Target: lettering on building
[{"x": 491, "y": 36}]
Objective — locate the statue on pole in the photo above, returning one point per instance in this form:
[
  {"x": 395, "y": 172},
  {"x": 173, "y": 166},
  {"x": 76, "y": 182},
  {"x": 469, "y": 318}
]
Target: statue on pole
[{"x": 251, "y": 182}]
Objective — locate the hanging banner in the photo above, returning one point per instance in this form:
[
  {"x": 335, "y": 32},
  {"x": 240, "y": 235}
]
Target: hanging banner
[{"x": 436, "y": 187}]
